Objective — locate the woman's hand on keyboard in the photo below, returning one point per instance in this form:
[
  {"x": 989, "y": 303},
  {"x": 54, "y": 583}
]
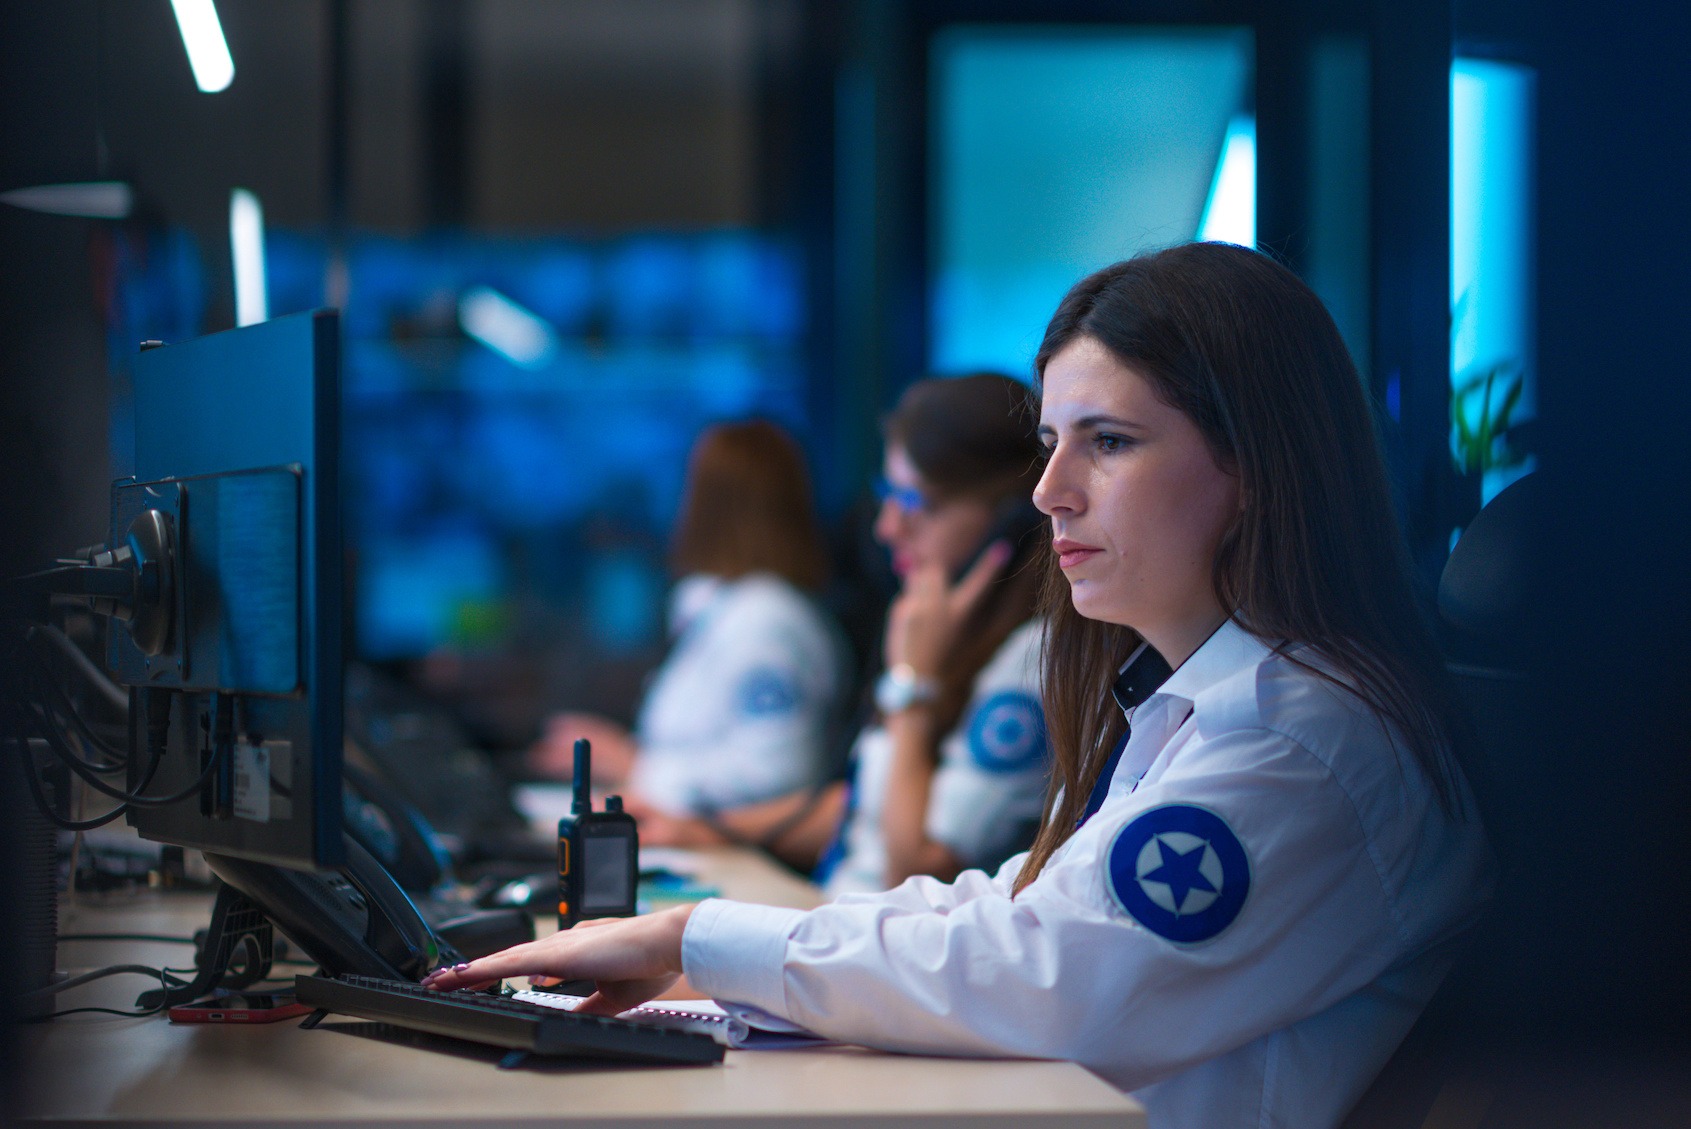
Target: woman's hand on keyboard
[{"x": 630, "y": 959}]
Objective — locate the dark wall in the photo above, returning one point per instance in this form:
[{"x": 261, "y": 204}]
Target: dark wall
[
  {"x": 1613, "y": 296},
  {"x": 52, "y": 378},
  {"x": 52, "y": 382},
  {"x": 1594, "y": 946}
]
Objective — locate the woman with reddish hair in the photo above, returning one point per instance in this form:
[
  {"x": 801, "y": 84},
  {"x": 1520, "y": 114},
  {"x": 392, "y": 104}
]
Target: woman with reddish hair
[{"x": 741, "y": 707}]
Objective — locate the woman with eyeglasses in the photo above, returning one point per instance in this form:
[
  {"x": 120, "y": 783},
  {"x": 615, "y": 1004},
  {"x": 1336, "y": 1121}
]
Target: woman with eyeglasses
[
  {"x": 951, "y": 770},
  {"x": 1259, "y": 853}
]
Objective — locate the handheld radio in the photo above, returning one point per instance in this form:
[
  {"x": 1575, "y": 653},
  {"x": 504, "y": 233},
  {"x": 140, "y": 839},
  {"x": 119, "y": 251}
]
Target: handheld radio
[{"x": 598, "y": 853}]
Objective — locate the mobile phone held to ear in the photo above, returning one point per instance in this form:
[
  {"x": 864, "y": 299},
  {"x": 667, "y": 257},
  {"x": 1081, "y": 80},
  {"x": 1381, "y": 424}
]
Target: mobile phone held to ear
[
  {"x": 1016, "y": 521},
  {"x": 598, "y": 853},
  {"x": 241, "y": 1007}
]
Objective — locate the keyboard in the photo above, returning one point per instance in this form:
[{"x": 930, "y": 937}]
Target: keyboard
[{"x": 524, "y": 1028}]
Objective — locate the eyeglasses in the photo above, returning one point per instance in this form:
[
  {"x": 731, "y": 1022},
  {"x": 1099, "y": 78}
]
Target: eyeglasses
[{"x": 907, "y": 498}]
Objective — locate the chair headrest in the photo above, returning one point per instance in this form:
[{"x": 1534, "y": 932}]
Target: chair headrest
[{"x": 1485, "y": 589}]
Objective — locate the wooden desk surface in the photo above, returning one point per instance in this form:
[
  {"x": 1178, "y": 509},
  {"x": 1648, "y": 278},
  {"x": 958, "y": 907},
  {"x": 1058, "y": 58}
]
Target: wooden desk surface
[{"x": 103, "y": 1070}]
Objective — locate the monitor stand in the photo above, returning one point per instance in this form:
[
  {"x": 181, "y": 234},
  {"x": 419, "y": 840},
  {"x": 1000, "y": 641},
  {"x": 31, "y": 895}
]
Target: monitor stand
[{"x": 238, "y": 951}]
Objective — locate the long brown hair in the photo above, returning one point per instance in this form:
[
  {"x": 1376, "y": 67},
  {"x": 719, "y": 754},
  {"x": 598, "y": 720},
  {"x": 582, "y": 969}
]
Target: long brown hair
[
  {"x": 747, "y": 508},
  {"x": 973, "y": 437},
  {"x": 1241, "y": 346}
]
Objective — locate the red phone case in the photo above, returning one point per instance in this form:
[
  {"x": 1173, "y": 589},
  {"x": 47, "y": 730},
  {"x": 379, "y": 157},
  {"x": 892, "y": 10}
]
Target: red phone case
[{"x": 236, "y": 1011}]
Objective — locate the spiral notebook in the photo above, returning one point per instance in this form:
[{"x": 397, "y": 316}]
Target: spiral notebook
[{"x": 701, "y": 1017}]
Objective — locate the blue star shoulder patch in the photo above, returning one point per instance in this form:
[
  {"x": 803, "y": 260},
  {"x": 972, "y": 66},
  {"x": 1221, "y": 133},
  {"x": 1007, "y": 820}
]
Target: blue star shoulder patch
[
  {"x": 1007, "y": 732},
  {"x": 1179, "y": 871},
  {"x": 766, "y": 691}
]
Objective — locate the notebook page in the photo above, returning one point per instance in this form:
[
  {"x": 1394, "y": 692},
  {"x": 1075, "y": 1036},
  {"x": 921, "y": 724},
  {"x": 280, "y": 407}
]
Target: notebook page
[{"x": 702, "y": 1017}]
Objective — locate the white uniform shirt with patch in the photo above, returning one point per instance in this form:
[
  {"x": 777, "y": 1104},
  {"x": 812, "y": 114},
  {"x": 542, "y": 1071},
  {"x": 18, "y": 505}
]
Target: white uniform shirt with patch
[
  {"x": 1357, "y": 884},
  {"x": 739, "y": 711},
  {"x": 988, "y": 788}
]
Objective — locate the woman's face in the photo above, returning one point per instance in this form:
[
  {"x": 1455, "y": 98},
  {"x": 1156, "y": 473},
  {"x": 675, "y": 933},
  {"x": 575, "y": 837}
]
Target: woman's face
[
  {"x": 921, "y": 530},
  {"x": 1137, "y": 501}
]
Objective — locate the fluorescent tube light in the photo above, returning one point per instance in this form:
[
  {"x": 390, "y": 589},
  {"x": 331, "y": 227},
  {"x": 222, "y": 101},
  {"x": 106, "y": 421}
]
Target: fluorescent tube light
[
  {"x": 97, "y": 199},
  {"x": 246, "y": 246},
  {"x": 1230, "y": 214},
  {"x": 202, "y": 35},
  {"x": 520, "y": 336}
]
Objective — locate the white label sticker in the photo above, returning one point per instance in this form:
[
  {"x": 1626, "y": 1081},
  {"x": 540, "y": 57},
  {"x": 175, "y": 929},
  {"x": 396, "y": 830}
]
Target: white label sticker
[{"x": 252, "y": 782}]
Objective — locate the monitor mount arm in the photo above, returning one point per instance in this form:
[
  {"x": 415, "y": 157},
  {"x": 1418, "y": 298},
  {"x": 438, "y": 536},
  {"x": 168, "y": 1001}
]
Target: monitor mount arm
[{"x": 134, "y": 582}]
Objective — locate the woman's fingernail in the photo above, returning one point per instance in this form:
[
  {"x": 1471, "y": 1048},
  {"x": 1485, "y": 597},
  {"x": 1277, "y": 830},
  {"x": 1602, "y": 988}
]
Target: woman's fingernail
[{"x": 460, "y": 967}]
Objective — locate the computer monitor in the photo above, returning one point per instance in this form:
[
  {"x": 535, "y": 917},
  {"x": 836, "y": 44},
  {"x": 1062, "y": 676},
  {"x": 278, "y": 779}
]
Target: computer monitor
[
  {"x": 236, "y": 664},
  {"x": 238, "y": 670},
  {"x": 222, "y": 580}
]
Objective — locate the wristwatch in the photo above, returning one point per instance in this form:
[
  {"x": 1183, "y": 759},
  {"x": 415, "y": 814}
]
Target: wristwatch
[{"x": 901, "y": 687}]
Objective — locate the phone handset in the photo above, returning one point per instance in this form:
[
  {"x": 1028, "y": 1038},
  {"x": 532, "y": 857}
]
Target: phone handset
[
  {"x": 354, "y": 919},
  {"x": 1016, "y": 520}
]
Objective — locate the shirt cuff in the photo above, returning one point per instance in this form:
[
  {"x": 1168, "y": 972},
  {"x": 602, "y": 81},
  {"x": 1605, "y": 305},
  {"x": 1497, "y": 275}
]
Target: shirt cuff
[{"x": 737, "y": 952}]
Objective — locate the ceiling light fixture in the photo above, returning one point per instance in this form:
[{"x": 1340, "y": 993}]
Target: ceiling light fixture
[{"x": 208, "y": 52}]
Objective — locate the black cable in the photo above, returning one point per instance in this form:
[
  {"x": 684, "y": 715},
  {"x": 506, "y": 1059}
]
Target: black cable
[
  {"x": 61, "y": 749},
  {"x": 46, "y": 809},
  {"x": 47, "y": 704},
  {"x": 45, "y": 719},
  {"x": 26, "y": 765},
  {"x": 109, "y": 690},
  {"x": 48, "y": 688},
  {"x": 55, "y": 741},
  {"x": 151, "y": 938},
  {"x": 56, "y": 705},
  {"x": 141, "y": 1013},
  {"x": 18, "y": 721},
  {"x": 164, "y": 801},
  {"x": 161, "y": 974},
  {"x": 165, "y": 979},
  {"x": 39, "y": 679},
  {"x": 38, "y": 717},
  {"x": 21, "y": 714}
]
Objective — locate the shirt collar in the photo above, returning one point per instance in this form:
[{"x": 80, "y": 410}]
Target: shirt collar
[
  {"x": 692, "y": 594},
  {"x": 1224, "y": 654},
  {"x": 1139, "y": 677}
]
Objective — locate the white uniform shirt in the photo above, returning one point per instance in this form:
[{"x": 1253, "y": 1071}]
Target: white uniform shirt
[
  {"x": 739, "y": 710},
  {"x": 988, "y": 788},
  {"x": 1318, "y": 916}
]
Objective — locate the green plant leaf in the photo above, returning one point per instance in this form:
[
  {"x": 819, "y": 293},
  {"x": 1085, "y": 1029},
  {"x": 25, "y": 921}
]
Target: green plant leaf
[{"x": 1480, "y": 427}]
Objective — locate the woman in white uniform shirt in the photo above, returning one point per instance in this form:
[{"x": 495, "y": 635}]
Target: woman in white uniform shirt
[
  {"x": 740, "y": 709},
  {"x": 952, "y": 771},
  {"x": 1238, "y": 910}
]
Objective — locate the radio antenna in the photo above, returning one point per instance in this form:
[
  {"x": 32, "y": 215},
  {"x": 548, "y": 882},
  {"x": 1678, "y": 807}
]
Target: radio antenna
[{"x": 583, "y": 801}]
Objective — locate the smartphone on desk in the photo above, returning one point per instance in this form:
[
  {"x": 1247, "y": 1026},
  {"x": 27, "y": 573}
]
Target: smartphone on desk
[{"x": 241, "y": 1007}]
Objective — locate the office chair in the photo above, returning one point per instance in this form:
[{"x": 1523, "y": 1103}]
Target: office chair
[{"x": 1486, "y": 604}]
